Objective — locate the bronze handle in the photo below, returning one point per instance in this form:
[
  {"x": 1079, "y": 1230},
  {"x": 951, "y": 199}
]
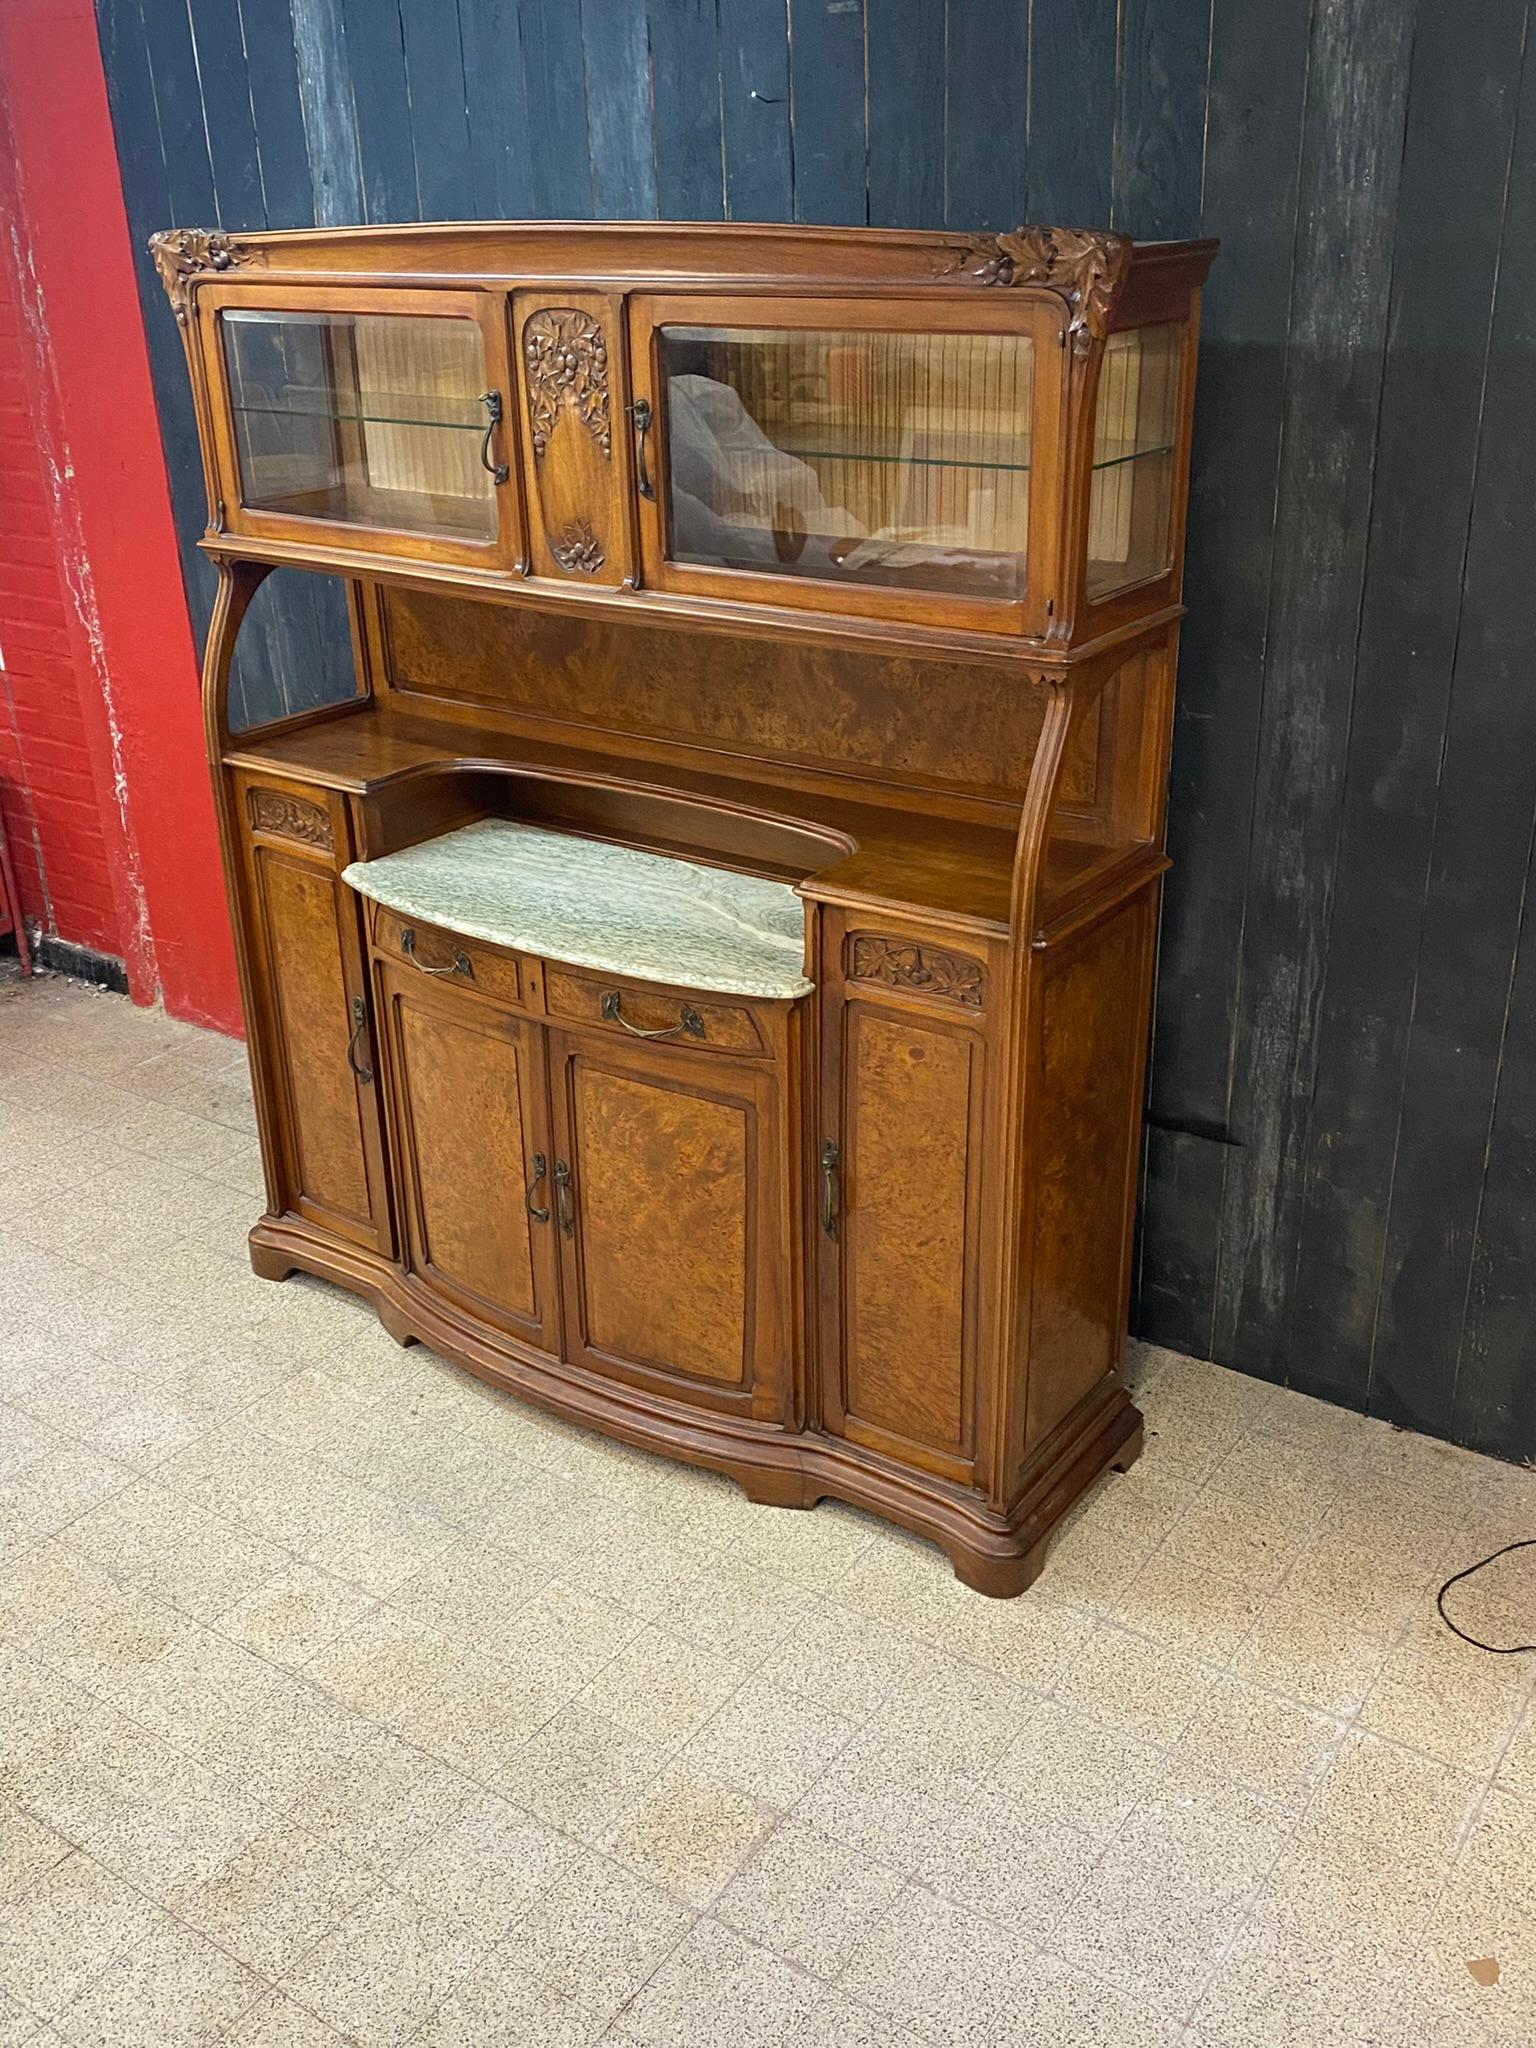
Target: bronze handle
[
  {"x": 460, "y": 964},
  {"x": 539, "y": 1215},
  {"x": 640, "y": 412},
  {"x": 499, "y": 472},
  {"x": 688, "y": 1019},
  {"x": 829, "y": 1187},
  {"x": 359, "y": 1026},
  {"x": 563, "y": 1199}
]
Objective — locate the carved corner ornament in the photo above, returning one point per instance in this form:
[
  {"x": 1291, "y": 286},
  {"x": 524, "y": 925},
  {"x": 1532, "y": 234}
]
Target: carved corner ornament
[
  {"x": 567, "y": 364},
  {"x": 182, "y": 254},
  {"x": 1087, "y": 266},
  {"x": 289, "y": 817},
  {"x": 925, "y": 970},
  {"x": 577, "y": 547}
]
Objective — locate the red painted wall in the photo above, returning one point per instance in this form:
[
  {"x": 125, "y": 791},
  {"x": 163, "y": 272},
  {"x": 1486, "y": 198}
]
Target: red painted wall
[{"x": 115, "y": 826}]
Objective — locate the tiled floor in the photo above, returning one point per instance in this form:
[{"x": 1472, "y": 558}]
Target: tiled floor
[{"x": 342, "y": 1699}]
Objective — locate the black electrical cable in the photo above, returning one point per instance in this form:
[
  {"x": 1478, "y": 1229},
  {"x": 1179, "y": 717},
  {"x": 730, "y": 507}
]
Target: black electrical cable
[{"x": 1494, "y": 1649}]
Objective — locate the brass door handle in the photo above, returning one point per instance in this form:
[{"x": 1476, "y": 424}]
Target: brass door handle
[
  {"x": 539, "y": 1215},
  {"x": 688, "y": 1019},
  {"x": 563, "y": 1199},
  {"x": 640, "y": 412},
  {"x": 499, "y": 472},
  {"x": 829, "y": 1158},
  {"x": 359, "y": 1026},
  {"x": 460, "y": 964}
]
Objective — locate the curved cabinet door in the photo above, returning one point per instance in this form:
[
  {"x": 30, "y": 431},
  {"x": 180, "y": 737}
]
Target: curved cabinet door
[
  {"x": 472, "y": 1156},
  {"x": 672, "y": 1208}
]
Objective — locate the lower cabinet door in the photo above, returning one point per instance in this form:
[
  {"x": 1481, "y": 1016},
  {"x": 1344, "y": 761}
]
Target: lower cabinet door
[
  {"x": 671, "y": 1201},
  {"x": 899, "y": 1219},
  {"x": 313, "y": 1019},
  {"x": 473, "y": 1154}
]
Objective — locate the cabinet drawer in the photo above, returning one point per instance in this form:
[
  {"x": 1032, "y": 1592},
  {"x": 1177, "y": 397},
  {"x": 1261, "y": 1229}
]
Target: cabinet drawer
[
  {"x": 634, "y": 1011},
  {"x": 447, "y": 957}
]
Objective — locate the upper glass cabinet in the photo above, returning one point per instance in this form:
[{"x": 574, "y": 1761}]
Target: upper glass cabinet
[
  {"x": 1135, "y": 433},
  {"x": 386, "y": 424},
  {"x": 872, "y": 463}
]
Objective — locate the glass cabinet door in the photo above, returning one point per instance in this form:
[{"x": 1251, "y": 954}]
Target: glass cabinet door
[
  {"x": 1135, "y": 428},
  {"x": 872, "y": 468},
  {"x": 384, "y": 422}
]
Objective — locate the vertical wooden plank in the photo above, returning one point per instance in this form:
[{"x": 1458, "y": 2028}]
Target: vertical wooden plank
[
  {"x": 272, "y": 75},
  {"x": 496, "y": 106},
  {"x": 685, "y": 110},
  {"x": 1462, "y": 91},
  {"x": 1160, "y": 121},
  {"x": 1352, "y": 149},
  {"x": 554, "y": 84},
  {"x": 986, "y": 121},
  {"x": 613, "y": 37},
  {"x": 434, "y": 84},
  {"x": 826, "y": 60},
  {"x": 1071, "y": 111},
  {"x": 1465, "y": 1023},
  {"x": 325, "y": 101},
  {"x": 218, "y": 42},
  {"x": 376, "y": 61},
  {"x": 906, "y": 114},
  {"x": 1252, "y": 166},
  {"x": 754, "y": 104}
]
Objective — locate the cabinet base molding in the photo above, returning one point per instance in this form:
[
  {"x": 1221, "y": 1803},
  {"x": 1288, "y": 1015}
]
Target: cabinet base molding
[{"x": 999, "y": 1555}]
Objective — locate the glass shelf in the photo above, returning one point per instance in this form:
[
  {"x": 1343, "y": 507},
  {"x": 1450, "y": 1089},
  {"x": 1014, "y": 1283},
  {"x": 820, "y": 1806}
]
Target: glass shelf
[
  {"x": 361, "y": 419},
  {"x": 1129, "y": 510}
]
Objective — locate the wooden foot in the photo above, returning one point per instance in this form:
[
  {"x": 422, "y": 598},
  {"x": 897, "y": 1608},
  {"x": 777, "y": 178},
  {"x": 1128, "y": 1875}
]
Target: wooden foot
[
  {"x": 1000, "y": 1578},
  {"x": 395, "y": 1324},
  {"x": 270, "y": 1264},
  {"x": 1129, "y": 1452},
  {"x": 766, "y": 1488}
]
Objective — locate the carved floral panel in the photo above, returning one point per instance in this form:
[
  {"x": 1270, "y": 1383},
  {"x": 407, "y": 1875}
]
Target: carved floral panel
[{"x": 919, "y": 968}]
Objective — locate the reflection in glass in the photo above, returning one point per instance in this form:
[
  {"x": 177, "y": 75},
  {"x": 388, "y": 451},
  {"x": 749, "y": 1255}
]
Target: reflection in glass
[
  {"x": 361, "y": 419},
  {"x": 892, "y": 459},
  {"x": 1134, "y": 423}
]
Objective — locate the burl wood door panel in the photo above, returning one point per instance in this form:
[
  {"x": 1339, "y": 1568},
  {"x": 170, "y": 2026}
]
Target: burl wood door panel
[
  {"x": 468, "y": 1103},
  {"x": 899, "y": 1315},
  {"x": 674, "y": 1223},
  {"x": 312, "y": 1006}
]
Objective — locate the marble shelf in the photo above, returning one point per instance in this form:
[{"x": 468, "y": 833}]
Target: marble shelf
[{"x": 593, "y": 904}]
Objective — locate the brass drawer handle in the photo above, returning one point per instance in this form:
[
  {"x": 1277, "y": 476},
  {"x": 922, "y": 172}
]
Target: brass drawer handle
[
  {"x": 688, "y": 1019},
  {"x": 498, "y": 471},
  {"x": 563, "y": 1199},
  {"x": 829, "y": 1158},
  {"x": 460, "y": 964},
  {"x": 639, "y": 411},
  {"x": 539, "y": 1215}
]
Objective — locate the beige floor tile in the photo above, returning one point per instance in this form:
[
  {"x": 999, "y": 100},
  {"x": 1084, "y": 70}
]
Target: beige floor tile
[
  {"x": 380, "y": 1975},
  {"x": 43, "y": 1716},
  {"x": 46, "y": 1587},
  {"x": 1273, "y": 1745},
  {"x": 581, "y": 1774},
  {"x": 1441, "y": 1696},
  {"x": 1072, "y": 1767},
  {"x": 173, "y": 1988},
  {"x": 273, "y": 1898},
  {"x": 690, "y": 1834},
  {"x": 885, "y": 1796},
  {"x": 836, "y": 2022},
  {"x": 595, "y": 1933},
  {"x": 1278, "y": 1987},
  {"x": 1136, "y": 1685},
  {"x": 1517, "y": 1769},
  {"x": 276, "y": 2022},
  {"x": 18, "y": 2027},
  {"x": 500, "y": 2005},
  {"x": 470, "y": 1594},
  {"x": 1312, "y": 1654},
  {"x": 849, "y": 1668},
  {"x": 292, "y": 1613},
  {"x": 994, "y": 1856},
  {"x": 808, "y": 1897},
  {"x": 1202, "y": 1612},
  {"x": 965, "y": 1715},
  {"x": 65, "y": 1929},
  {"x": 485, "y": 1864},
  {"x": 717, "y": 1987},
  {"x": 768, "y": 1742},
  {"x": 1327, "y": 1882},
  {"x": 949, "y": 1976},
  {"x": 661, "y": 1688},
  {"x": 563, "y": 1637},
  {"x": 29, "y": 1849},
  {"x": 173, "y": 1550},
  {"x": 1071, "y": 2006},
  {"x": 1406, "y": 1802},
  {"x": 1475, "y": 1926},
  {"x": 1242, "y": 1539}
]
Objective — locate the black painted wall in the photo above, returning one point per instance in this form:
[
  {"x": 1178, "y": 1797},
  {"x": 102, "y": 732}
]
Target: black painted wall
[{"x": 1341, "y": 1162}]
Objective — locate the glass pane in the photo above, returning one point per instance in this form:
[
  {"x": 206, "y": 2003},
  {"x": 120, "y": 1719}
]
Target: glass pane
[
  {"x": 893, "y": 459},
  {"x": 1134, "y": 425},
  {"x": 361, "y": 419}
]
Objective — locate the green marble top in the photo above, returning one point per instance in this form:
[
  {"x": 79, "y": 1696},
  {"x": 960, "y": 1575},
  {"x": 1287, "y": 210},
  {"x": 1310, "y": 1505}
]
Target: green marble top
[{"x": 593, "y": 904}]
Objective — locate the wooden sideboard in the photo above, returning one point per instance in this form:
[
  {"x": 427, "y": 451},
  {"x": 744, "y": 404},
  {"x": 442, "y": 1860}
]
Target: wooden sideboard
[{"x": 847, "y": 561}]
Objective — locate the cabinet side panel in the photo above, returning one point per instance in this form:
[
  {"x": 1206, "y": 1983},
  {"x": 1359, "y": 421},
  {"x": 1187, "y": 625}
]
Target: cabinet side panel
[
  {"x": 663, "y": 1187},
  {"x": 298, "y": 910},
  {"x": 462, "y": 1088},
  {"x": 908, "y": 1097},
  {"x": 1087, "y": 1074}
]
